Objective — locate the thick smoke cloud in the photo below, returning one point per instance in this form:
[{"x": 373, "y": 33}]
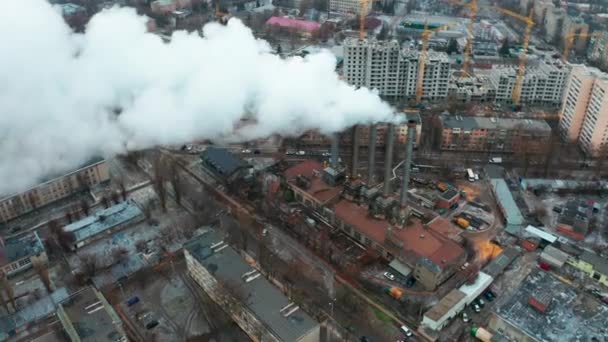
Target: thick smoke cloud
[{"x": 59, "y": 90}]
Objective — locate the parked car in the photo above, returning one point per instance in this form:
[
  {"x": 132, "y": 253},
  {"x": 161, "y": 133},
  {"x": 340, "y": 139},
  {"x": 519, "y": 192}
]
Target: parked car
[
  {"x": 301, "y": 153},
  {"x": 246, "y": 151},
  {"x": 476, "y": 308},
  {"x": 489, "y": 295},
  {"x": 132, "y": 301},
  {"x": 410, "y": 282},
  {"x": 389, "y": 275},
  {"x": 481, "y": 302},
  {"x": 364, "y": 339},
  {"x": 406, "y": 331},
  {"x": 465, "y": 317},
  {"x": 151, "y": 324}
]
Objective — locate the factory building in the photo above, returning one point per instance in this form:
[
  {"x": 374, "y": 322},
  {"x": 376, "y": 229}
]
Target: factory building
[
  {"x": 393, "y": 71},
  {"x": 493, "y": 134},
  {"x": 54, "y": 189}
]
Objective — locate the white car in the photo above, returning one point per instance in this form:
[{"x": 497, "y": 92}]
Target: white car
[
  {"x": 406, "y": 331},
  {"x": 465, "y": 317},
  {"x": 301, "y": 153},
  {"x": 246, "y": 151},
  {"x": 326, "y": 154},
  {"x": 389, "y": 275},
  {"x": 476, "y": 308}
]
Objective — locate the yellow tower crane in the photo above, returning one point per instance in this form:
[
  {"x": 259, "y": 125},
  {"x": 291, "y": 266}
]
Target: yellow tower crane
[
  {"x": 426, "y": 34},
  {"x": 524, "y": 54},
  {"x": 362, "y": 15},
  {"x": 570, "y": 40},
  {"x": 470, "y": 34}
]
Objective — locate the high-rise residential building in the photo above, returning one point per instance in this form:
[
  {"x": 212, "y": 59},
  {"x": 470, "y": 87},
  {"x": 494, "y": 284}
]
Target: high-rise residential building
[
  {"x": 583, "y": 113},
  {"x": 575, "y": 25},
  {"x": 542, "y": 84},
  {"x": 348, "y": 6},
  {"x": 598, "y": 52},
  {"x": 393, "y": 71}
]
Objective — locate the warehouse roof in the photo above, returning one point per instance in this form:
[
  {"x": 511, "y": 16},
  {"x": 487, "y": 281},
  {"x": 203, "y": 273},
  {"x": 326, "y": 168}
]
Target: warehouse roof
[
  {"x": 223, "y": 162},
  {"x": 507, "y": 202},
  {"x": 258, "y": 295},
  {"x": 445, "y": 305},
  {"x": 599, "y": 264}
]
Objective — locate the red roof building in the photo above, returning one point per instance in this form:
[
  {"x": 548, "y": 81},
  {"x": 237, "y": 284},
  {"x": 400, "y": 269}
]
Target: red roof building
[
  {"x": 304, "y": 26},
  {"x": 305, "y": 181}
]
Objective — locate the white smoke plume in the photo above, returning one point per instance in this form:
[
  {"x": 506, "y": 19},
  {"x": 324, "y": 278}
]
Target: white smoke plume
[{"x": 58, "y": 89}]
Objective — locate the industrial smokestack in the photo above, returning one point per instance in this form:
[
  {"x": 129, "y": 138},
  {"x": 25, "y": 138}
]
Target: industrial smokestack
[
  {"x": 334, "y": 151},
  {"x": 388, "y": 158},
  {"x": 407, "y": 165},
  {"x": 355, "y": 156},
  {"x": 371, "y": 162}
]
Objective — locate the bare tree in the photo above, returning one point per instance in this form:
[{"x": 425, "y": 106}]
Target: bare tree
[
  {"x": 8, "y": 290},
  {"x": 122, "y": 188},
  {"x": 88, "y": 264},
  {"x": 158, "y": 180},
  {"x": 85, "y": 207},
  {"x": 119, "y": 254},
  {"x": 175, "y": 180},
  {"x": 43, "y": 271}
]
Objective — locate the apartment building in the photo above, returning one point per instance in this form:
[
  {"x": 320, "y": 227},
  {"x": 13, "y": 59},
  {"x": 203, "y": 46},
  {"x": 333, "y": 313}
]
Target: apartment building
[
  {"x": 583, "y": 118},
  {"x": 575, "y": 25},
  {"x": 348, "y": 6},
  {"x": 493, "y": 134},
  {"x": 56, "y": 188},
  {"x": 259, "y": 308},
  {"x": 18, "y": 254},
  {"x": 543, "y": 84},
  {"x": 393, "y": 71},
  {"x": 598, "y": 52}
]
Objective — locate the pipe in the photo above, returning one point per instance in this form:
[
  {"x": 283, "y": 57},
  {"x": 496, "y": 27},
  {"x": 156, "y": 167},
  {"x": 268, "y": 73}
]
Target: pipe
[
  {"x": 371, "y": 162},
  {"x": 388, "y": 158},
  {"x": 407, "y": 166},
  {"x": 355, "y": 167},
  {"x": 334, "y": 151}
]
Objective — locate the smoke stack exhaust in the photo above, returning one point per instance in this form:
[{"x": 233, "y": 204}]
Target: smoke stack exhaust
[
  {"x": 371, "y": 162},
  {"x": 388, "y": 158},
  {"x": 334, "y": 151},
  {"x": 355, "y": 167},
  {"x": 407, "y": 165}
]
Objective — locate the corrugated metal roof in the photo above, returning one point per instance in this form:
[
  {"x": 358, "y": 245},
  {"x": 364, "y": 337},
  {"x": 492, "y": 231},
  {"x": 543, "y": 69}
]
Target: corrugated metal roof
[
  {"x": 223, "y": 162},
  {"x": 541, "y": 233},
  {"x": 103, "y": 220},
  {"x": 507, "y": 202}
]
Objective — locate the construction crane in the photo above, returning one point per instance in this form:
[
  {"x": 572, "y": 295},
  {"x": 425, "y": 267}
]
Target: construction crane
[
  {"x": 470, "y": 34},
  {"x": 426, "y": 34},
  {"x": 570, "y": 40},
  {"x": 362, "y": 15},
  {"x": 524, "y": 53}
]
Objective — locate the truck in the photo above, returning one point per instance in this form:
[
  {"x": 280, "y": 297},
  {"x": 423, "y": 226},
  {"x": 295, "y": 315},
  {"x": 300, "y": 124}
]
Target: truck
[
  {"x": 496, "y": 160},
  {"x": 394, "y": 292},
  {"x": 481, "y": 334},
  {"x": 463, "y": 223}
]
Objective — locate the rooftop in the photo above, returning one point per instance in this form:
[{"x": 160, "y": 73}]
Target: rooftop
[
  {"x": 258, "y": 295},
  {"x": 292, "y": 23},
  {"x": 445, "y": 305},
  {"x": 507, "y": 202},
  {"x": 414, "y": 238},
  {"x": 444, "y": 227},
  {"x": 599, "y": 264},
  {"x": 449, "y": 194},
  {"x": 500, "y": 263},
  {"x": 572, "y": 316},
  {"x": 224, "y": 163},
  {"x": 91, "y": 316},
  {"x": 469, "y": 123},
  {"x": 103, "y": 220},
  {"x": 312, "y": 170},
  {"x": 20, "y": 248}
]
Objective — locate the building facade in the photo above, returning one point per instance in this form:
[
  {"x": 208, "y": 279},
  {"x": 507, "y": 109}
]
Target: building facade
[
  {"x": 348, "y": 6},
  {"x": 52, "y": 190},
  {"x": 598, "y": 52},
  {"x": 494, "y": 134},
  {"x": 582, "y": 116},
  {"x": 386, "y": 67}
]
